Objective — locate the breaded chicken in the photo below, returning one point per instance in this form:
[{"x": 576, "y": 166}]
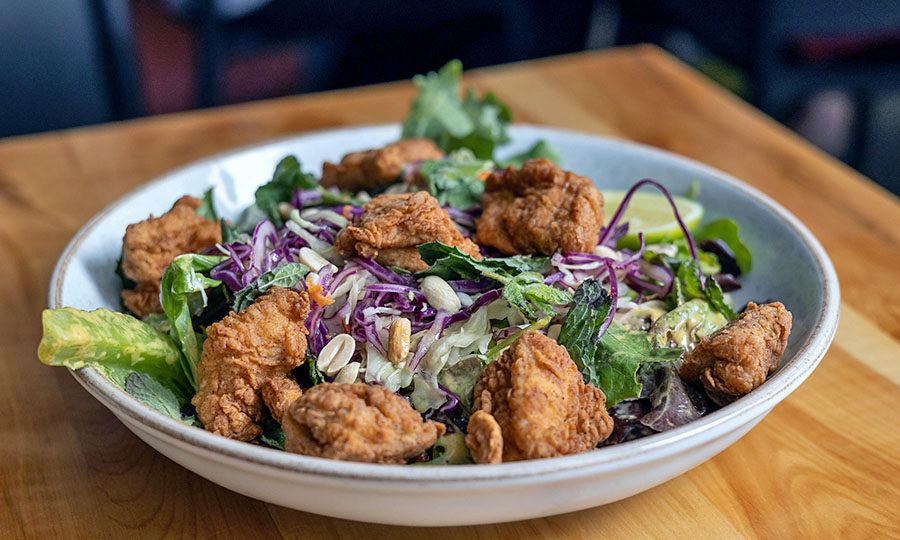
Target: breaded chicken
[
  {"x": 738, "y": 357},
  {"x": 367, "y": 170},
  {"x": 279, "y": 393},
  {"x": 540, "y": 402},
  {"x": 243, "y": 354},
  {"x": 391, "y": 227},
  {"x": 539, "y": 209},
  {"x": 149, "y": 247},
  {"x": 357, "y": 422}
]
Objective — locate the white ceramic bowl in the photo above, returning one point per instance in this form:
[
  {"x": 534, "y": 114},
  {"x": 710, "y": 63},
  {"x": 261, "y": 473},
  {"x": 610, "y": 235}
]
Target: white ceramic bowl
[{"x": 789, "y": 265}]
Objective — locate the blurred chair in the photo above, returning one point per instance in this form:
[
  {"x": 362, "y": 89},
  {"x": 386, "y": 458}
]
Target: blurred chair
[
  {"x": 354, "y": 42},
  {"x": 792, "y": 50},
  {"x": 65, "y": 64}
]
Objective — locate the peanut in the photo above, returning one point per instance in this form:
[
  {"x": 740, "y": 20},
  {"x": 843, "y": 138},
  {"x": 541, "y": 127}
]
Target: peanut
[
  {"x": 398, "y": 341},
  {"x": 336, "y": 354},
  {"x": 440, "y": 294}
]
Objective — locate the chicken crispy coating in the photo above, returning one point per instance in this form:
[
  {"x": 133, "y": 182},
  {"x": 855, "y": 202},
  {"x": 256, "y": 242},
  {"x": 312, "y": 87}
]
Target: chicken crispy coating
[
  {"x": 540, "y": 402},
  {"x": 737, "y": 358},
  {"x": 357, "y": 422},
  {"x": 359, "y": 171},
  {"x": 539, "y": 209},
  {"x": 279, "y": 393},
  {"x": 149, "y": 247},
  {"x": 391, "y": 227},
  {"x": 243, "y": 354}
]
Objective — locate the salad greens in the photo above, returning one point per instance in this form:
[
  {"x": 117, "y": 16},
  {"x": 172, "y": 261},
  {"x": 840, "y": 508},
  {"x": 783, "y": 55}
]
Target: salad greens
[
  {"x": 456, "y": 181},
  {"x": 668, "y": 288},
  {"x": 541, "y": 149},
  {"x": 438, "y": 113},
  {"x": 158, "y": 396},
  {"x": 726, "y": 230},
  {"x": 184, "y": 295},
  {"x": 609, "y": 361},
  {"x": 523, "y": 286},
  {"x": 116, "y": 343},
  {"x": 286, "y": 275},
  {"x": 288, "y": 178},
  {"x": 207, "y": 210}
]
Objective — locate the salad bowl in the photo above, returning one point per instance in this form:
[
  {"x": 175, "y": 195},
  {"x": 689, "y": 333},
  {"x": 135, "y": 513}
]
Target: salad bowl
[{"x": 789, "y": 266}]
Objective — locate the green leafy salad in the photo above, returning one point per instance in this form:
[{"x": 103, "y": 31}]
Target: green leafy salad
[{"x": 626, "y": 309}]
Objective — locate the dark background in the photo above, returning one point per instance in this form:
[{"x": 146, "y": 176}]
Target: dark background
[{"x": 829, "y": 69}]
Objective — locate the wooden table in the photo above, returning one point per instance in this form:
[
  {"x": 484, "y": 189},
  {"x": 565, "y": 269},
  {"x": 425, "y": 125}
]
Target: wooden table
[{"x": 824, "y": 463}]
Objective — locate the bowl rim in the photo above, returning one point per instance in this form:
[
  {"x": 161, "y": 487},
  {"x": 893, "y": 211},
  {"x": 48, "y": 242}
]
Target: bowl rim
[{"x": 624, "y": 455}]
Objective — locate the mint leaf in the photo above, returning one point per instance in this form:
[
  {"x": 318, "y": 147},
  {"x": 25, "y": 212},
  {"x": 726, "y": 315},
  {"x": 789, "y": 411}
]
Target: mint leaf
[
  {"x": 207, "y": 210},
  {"x": 726, "y": 229},
  {"x": 611, "y": 361},
  {"x": 523, "y": 285},
  {"x": 316, "y": 376},
  {"x": 715, "y": 297},
  {"x": 287, "y": 275},
  {"x": 156, "y": 395},
  {"x": 451, "y": 263},
  {"x": 287, "y": 179},
  {"x": 272, "y": 435},
  {"x": 580, "y": 332},
  {"x": 619, "y": 354},
  {"x": 541, "y": 149}
]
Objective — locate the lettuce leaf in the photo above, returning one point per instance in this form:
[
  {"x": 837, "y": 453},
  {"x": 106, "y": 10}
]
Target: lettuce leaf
[
  {"x": 726, "y": 229},
  {"x": 158, "y": 396},
  {"x": 183, "y": 296},
  {"x": 116, "y": 343},
  {"x": 438, "y": 113},
  {"x": 541, "y": 149}
]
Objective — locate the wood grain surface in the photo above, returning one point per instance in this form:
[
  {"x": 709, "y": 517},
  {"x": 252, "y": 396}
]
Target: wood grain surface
[{"x": 825, "y": 463}]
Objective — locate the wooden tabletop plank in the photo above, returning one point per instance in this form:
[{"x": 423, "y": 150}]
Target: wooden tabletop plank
[{"x": 824, "y": 463}]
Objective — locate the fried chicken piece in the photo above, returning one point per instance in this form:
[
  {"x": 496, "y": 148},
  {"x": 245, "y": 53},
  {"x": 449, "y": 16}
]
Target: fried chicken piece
[
  {"x": 485, "y": 438},
  {"x": 359, "y": 171},
  {"x": 391, "y": 227},
  {"x": 244, "y": 351},
  {"x": 149, "y": 246},
  {"x": 279, "y": 393},
  {"x": 539, "y": 209},
  {"x": 738, "y": 357},
  {"x": 538, "y": 399},
  {"x": 357, "y": 422}
]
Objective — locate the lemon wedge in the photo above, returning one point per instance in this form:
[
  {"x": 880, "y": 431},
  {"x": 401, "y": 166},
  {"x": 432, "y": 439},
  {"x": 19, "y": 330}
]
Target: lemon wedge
[{"x": 651, "y": 214}]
